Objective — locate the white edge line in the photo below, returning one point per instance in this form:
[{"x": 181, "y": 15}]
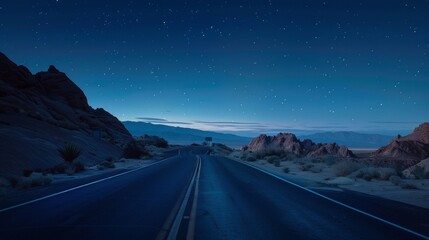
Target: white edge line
[
  {"x": 339, "y": 203},
  {"x": 74, "y": 188},
  {"x": 176, "y": 224}
]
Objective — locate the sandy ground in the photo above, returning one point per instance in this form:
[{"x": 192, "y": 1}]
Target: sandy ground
[
  {"x": 157, "y": 154},
  {"x": 327, "y": 178},
  {"x": 92, "y": 171},
  {"x": 37, "y": 180}
]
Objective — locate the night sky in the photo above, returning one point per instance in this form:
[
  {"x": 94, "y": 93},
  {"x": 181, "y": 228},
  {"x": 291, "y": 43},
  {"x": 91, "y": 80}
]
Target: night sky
[{"x": 245, "y": 66}]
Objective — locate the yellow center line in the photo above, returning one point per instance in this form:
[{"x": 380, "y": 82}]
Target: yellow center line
[{"x": 193, "y": 216}]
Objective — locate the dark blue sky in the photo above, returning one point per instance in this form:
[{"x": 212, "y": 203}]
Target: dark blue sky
[{"x": 250, "y": 66}]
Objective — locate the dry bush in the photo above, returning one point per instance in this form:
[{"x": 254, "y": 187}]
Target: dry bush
[
  {"x": 105, "y": 164},
  {"x": 69, "y": 152},
  {"x": 381, "y": 173},
  {"x": 153, "y": 140},
  {"x": 386, "y": 173},
  {"x": 306, "y": 167},
  {"x": 396, "y": 180},
  {"x": 408, "y": 185},
  {"x": 34, "y": 180},
  {"x": 346, "y": 167},
  {"x": 272, "y": 159},
  {"x": 133, "y": 150},
  {"x": 270, "y": 151}
]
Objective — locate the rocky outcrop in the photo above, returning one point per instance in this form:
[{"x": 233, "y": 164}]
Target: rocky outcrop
[
  {"x": 287, "y": 142},
  {"x": 39, "y": 113},
  {"x": 414, "y": 146},
  {"x": 419, "y": 171}
]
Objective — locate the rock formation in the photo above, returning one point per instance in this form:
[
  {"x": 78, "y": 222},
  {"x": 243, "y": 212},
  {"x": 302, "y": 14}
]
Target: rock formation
[
  {"x": 287, "y": 142},
  {"x": 419, "y": 171},
  {"x": 414, "y": 146},
  {"x": 39, "y": 113}
]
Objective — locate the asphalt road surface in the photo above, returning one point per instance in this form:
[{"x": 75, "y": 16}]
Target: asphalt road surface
[{"x": 196, "y": 196}]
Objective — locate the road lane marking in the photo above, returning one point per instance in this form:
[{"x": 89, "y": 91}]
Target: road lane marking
[
  {"x": 176, "y": 225},
  {"x": 339, "y": 203},
  {"x": 171, "y": 217},
  {"x": 78, "y": 187},
  {"x": 193, "y": 216}
]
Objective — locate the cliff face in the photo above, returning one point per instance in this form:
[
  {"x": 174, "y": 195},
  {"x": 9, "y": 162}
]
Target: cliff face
[
  {"x": 414, "y": 146},
  {"x": 39, "y": 113},
  {"x": 288, "y": 142}
]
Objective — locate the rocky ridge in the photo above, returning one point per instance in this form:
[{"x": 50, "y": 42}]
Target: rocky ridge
[
  {"x": 414, "y": 146},
  {"x": 288, "y": 142}
]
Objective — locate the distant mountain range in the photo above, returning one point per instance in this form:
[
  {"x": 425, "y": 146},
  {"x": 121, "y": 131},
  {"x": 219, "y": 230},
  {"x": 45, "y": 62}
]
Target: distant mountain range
[
  {"x": 350, "y": 139},
  {"x": 183, "y": 136}
]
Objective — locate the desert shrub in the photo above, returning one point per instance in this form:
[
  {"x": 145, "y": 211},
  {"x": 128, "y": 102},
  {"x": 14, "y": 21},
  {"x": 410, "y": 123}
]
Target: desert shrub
[
  {"x": 277, "y": 162},
  {"x": 160, "y": 142},
  {"x": 152, "y": 140},
  {"x": 34, "y": 180},
  {"x": 386, "y": 173},
  {"x": 271, "y": 159},
  {"x": 286, "y": 170},
  {"x": 396, "y": 180},
  {"x": 420, "y": 173},
  {"x": 223, "y": 147},
  {"x": 288, "y": 156},
  {"x": 408, "y": 185},
  {"x": 368, "y": 173},
  {"x": 345, "y": 168},
  {"x": 306, "y": 167},
  {"x": 105, "y": 164},
  {"x": 381, "y": 173},
  {"x": 132, "y": 150},
  {"x": 270, "y": 152},
  {"x": 69, "y": 152}
]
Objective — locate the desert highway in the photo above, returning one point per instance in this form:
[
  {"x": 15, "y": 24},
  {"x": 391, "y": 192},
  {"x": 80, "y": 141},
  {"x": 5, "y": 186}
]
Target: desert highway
[{"x": 193, "y": 195}]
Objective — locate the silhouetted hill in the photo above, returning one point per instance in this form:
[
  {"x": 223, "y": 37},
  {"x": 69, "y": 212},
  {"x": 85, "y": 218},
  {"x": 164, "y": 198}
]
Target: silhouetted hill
[
  {"x": 183, "y": 136},
  {"x": 40, "y": 113},
  {"x": 350, "y": 139}
]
